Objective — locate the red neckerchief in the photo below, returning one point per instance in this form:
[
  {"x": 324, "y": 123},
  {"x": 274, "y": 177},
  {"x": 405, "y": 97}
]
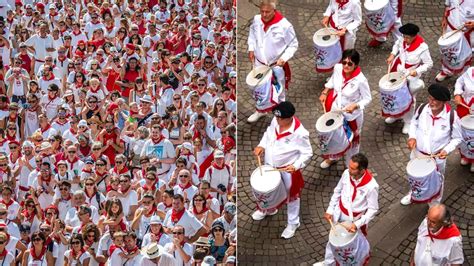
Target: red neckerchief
[
  {"x": 123, "y": 191},
  {"x": 33, "y": 253},
  {"x": 3, "y": 142},
  {"x": 48, "y": 126},
  {"x": 85, "y": 150},
  {"x": 276, "y": 18},
  {"x": 150, "y": 213},
  {"x": 434, "y": 118},
  {"x": 354, "y": 74},
  {"x": 158, "y": 236},
  {"x": 445, "y": 233},
  {"x": 176, "y": 216},
  {"x": 341, "y": 3},
  {"x": 47, "y": 180},
  {"x": 75, "y": 255},
  {"x": 11, "y": 138},
  {"x": 74, "y": 132},
  {"x": 152, "y": 188},
  {"x": 68, "y": 198},
  {"x": 95, "y": 91},
  {"x": 214, "y": 164},
  {"x": 124, "y": 170},
  {"x": 88, "y": 242},
  {"x": 130, "y": 251},
  {"x": 100, "y": 175},
  {"x": 87, "y": 171},
  {"x": 209, "y": 197},
  {"x": 184, "y": 187},
  {"x": 414, "y": 44},
  {"x": 112, "y": 248},
  {"x": 50, "y": 78},
  {"x": 7, "y": 204},
  {"x": 166, "y": 88},
  {"x": 167, "y": 206},
  {"x": 75, "y": 160},
  {"x": 210, "y": 53},
  {"x": 366, "y": 178},
  {"x": 4, "y": 253},
  {"x": 61, "y": 123},
  {"x": 91, "y": 196},
  {"x": 287, "y": 133},
  {"x": 11, "y": 157},
  {"x": 180, "y": 4},
  {"x": 196, "y": 134},
  {"x": 204, "y": 209},
  {"x": 158, "y": 140},
  {"x": 109, "y": 29}
]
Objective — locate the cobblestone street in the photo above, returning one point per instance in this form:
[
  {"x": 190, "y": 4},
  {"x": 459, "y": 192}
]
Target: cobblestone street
[{"x": 392, "y": 234}]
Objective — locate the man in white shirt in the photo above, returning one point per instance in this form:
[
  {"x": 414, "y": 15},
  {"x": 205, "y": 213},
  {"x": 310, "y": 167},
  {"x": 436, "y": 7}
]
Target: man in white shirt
[
  {"x": 181, "y": 251},
  {"x": 161, "y": 150},
  {"x": 355, "y": 200},
  {"x": 435, "y": 131},
  {"x": 155, "y": 255},
  {"x": 219, "y": 176},
  {"x": 286, "y": 146},
  {"x": 272, "y": 42},
  {"x": 42, "y": 44},
  {"x": 439, "y": 241},
  {"x": 345, "y": 17},
  {"x": 130, "y": 202},
  {"x": 410, "y": 56}
]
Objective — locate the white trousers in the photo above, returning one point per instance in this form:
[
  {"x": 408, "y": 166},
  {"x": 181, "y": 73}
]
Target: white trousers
[
  {"x": 349, "y": 40},
  {"x": 293, "y": 209}
]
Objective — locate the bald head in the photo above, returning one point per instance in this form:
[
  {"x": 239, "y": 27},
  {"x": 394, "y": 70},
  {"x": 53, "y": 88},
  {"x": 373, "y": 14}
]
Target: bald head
[{"x": 438, "y": 216}]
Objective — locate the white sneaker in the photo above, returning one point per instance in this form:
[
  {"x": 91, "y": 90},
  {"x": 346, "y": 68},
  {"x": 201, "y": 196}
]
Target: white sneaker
[
  {"x": 326, "y": 163},
  {"x": 321, "y": 263},
  {"x": 255, "y": 117},
  {"x": 391, "y": 120},
  {"x": 259, "y": 215},
  {"x": 289, "y": 231},
  {"x": 406, "y": 128},
  {"x": 406, "y": 200},
  {"x": 472, "y": 168},
  {"x": 464, "y": 161},
  {"x": 441, "y": 77}
]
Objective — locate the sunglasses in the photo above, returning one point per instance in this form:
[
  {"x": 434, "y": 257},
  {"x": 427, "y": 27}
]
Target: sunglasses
[
  {"x": 75, "y": 243},
  {"x": 123, "y": 181},
  {"x": 100, "y": 164},
  {"x": 3, "y": 213},
  {"x": 218, "y": 230},
  {"x": 92, "y": 102},
  {"x": 89, "y": 184},
  {"x": 37, "y": 239},
  {"x": 71, "y": 152},
  {"x": 178, "y": 233},
  {"x": 119, "y": 162},
  {"x": 97, "y": 149},
  {"x": 64, "y": 189},
  {"x": 348, "y": 63},
  {"x": 183, "y": 175},
  {"x": 2, "y": 242},
  {"x": 198, "y": 200}
]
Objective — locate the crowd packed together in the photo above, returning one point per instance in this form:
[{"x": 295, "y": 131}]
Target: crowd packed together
[{"x": 117, "y": 132}]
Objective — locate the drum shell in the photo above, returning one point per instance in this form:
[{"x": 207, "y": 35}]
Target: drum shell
[
  {"x": 265, "y": 93},
  {"x": 395, "y": 101},
  {"x": 424, "y": 187},
  {"x": 379, "y": 21},
  {"x": 455, "y": 51},
  {"x": 327, "y": 55},
  {"x": 355, "y": 252},
  {"x": 274, "y": 195},
  {"x": 334, "y": 143},
  {"x": 467, "y": 132}
]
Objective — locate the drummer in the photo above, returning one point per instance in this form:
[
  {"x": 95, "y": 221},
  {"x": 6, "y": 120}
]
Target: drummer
[
  {"x": 435, "y": 130},
  {"x": 410, "y": 56},
  {"x": 439, "y": 241},
  {"x": 457, "y": 14},
  {"x": 344, "y": 207},
  {"x": 272, "y": 42},
  {"x": 345, "y": 16},
  {"x": 397, "y": 6},
  {"x": 286, "y": 146},
  {"x": 356, "y": 97},
  {"x": 464, "y": 97}
]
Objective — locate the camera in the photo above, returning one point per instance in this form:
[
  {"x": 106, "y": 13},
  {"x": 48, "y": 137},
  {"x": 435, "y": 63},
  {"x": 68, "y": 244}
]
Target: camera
[{"x": 222, "y": 188}]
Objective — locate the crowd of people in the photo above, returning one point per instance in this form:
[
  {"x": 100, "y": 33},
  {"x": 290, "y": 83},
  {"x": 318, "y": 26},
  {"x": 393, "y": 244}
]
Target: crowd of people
[{"x": 117, "y": 132}]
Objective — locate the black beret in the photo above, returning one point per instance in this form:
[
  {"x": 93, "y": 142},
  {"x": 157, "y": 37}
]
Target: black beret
[
  {"x": 439, "y": 92},
  {"x": 284, "y": 110},
  {"x": 409, "y": 29}
]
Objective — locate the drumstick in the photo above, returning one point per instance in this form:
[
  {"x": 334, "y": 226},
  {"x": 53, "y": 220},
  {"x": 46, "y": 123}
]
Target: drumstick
[
  {"x": 259, "y": 165},
  {"x": 275, "y": 170},
  {"x": 452, "y": 33},
  {"x": 332, "y": 226}
]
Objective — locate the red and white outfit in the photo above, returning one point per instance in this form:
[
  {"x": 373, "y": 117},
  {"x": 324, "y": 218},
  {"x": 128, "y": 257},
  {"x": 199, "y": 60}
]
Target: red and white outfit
[
  {"x": 415, "y": 56},
  {"x": 271, "y": 41},
  {"x": 216, "y": 175},
  {"x": 465, "y": 88},
  {"x": 441, "y": 248},
  {"x": 184, "y": 218},
  {"x": 343, "y": 92},
  {"x": 282, "y": 149},
  {"x": 345, "y": 14},
  {"x": 354, "y": 201},
  {"x": 457, "y": 13},
  {"x": 162, "y": 149},
  {"x": 395, "y": 11},
  {"x": 434, "y": 134}
]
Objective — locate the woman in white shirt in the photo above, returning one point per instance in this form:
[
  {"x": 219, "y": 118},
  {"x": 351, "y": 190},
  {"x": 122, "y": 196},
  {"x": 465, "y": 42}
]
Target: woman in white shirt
[
  {"x": 77, "y": 255},
  {"x": 347, "y": 90}
]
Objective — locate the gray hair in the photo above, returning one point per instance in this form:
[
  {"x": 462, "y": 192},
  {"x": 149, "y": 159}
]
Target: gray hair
[{"x": 271, "y": 3}]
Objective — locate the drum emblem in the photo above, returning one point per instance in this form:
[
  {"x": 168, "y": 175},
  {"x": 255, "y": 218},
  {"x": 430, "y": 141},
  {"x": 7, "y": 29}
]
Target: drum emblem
[
  {"x": 262, "y": 200},
  {"x": 346, "y": 255},
  {"x": 451, "y": 56},
  {"x": 470, "y": 145},
  {"x": 320, "y": 56},
  {"x": 415, "y": 188},
  {"x": 377, "y": 21},
  {"x": 324, "y": 142},
  {"x": 388, "y": 102}
]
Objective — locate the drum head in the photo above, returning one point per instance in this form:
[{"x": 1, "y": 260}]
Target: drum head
[
  {"x": 329, "y": 122},
  {"x": 449, "y": 38},
  {"x": 325, "y": 37},
  {"x": 258, "y": 76},
  {"x": 266, "y": 183},
  {"x": 374, "y": 5},
  {"x": 392, "y": 81},
  {"x": 467, "y": 122},
  {"x": 341, "y": 237},
  {"x": 420, "y": 167}
]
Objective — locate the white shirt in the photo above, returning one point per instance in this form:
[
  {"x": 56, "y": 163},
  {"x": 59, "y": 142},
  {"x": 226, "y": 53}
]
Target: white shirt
[
  {"x": 433, "y": 138},
  {"x": 460, "y": 12},
  {"x": 162, "y": 150},
  {"x": 188, "y": 249},
  {"x": 365, "y": 202},
  {"x": 40, "y": 45},
  {"x": 269, "y": 45},
  {"x": 349, "y": 16},
  {"x": 465, "y": 85},
  {"x": 81, "y": 259},
  {"x": 72, "y": 217},
  {"x": 165, "y": 260},
  {"x": 190, "y": 223},
  {"x": 355, "y": 90},
  {"x": 419, "y": 59},
  {"x": 127, "y": 202},
  {"x": 294, "y": 149},
  {"x": 437, "y": 251},
  {"x": 216, "y": 177}
]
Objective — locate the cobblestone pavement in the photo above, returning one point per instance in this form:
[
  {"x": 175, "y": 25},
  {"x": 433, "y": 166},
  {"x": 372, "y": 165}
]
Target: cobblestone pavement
[{"x": 393, "y": 232}]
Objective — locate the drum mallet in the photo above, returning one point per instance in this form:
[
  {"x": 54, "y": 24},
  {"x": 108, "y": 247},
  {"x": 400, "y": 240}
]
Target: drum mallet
[
  {"x": 333, "y": 228},
  {"x": 259, "y": 165}
]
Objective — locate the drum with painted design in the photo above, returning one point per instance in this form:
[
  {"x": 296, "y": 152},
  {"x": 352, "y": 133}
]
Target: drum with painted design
[
  {"x": 380, "y": 17},
  {"x": 455, "y": 51},
  {"x": 327, "y": 49},
  {"x": 264, "y": 92},
  {"x": 395, "y": 95},
  {"x": 467, "y": 131},
  {"x": 424, "y": 178},
  {"x": 334, "y": 134},
  {"x": 268, "y": 188},
  {"x": 348, "y": 248}
]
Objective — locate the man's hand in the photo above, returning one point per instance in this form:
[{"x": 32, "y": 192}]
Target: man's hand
[
  {"x": 444, "y": 24},
  {"x": 390, "y": 59},
  {"x": 341, "y": 32},
  {"x": 411, "y": 144},
  {"x": 328, "y": 216},
  {"x": 322, "y": 98},
  {"x": 442, "y": 154},
  {"x": 280, "y": 62},
  {"x": 457, "y": 99},
  {"x": 289, "y": 169},
  {"x": 325, "y": 21},
  {"x": 469, "y": 25},
  {"x": 413, "y": 73},
  {"x": 352, "y": 228},
  {"x": 252, "y": 57},
  {"x": 351, "y": 108},
  {"x": 258, "y": 151}
]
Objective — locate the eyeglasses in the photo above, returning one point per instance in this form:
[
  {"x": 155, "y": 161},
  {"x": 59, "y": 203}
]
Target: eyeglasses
[
  {"x": 218, "y": 230},
  {"x": 348, "y": 63},
  {"x": 205, "y": 188},
  {"x": 100, "y": 164},
  {"x": 37, "y": 239},
  {"x": 198, "y": 200},
  {"x": 201, "y": 85},
  {"x": 45, "y": 229},
  {"x": 75, "y": 242},
  {"x": 12, "y": 128},
  {"x": 49, "y": 213},
  {"x": 97, "y": 149},
  {"x": 71, "y": 152},
  {"x": 151, "y": 178},
  {"x": 176, "y": 99},
  {"x": 3, "y": 213},
  {"x": 178, "y": 233},
  {"x": 3, "y": 165},
  {"x": 119, "y": 162},
  {"x": 183, "y": 175},
  {"x": 64, "y": 189},
  {"x": 123, "y": 181},
  {"x": 2, "y": 242},
  {"x": 89, "y": 184}
]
